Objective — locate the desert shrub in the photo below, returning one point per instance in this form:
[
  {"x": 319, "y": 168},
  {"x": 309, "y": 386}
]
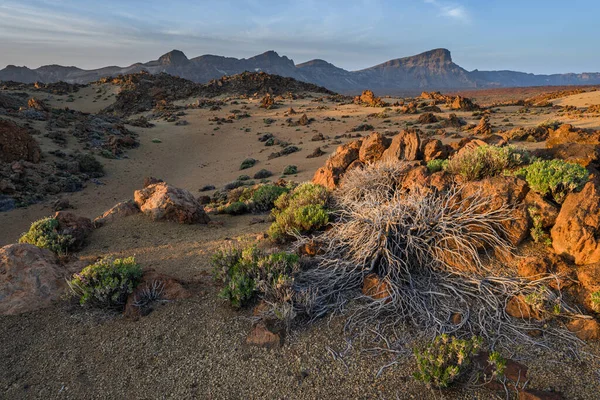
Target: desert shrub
[
  {"x": 264, "y": 197},
  {"x": 247, "y": 271},
  {"x": 243, "y": 178},
  {"x": 437, "y": 165},
  {"x": 595, "y": 300},
  {"x": 300, "y": 211},
  {"x": 551, "y": 124},
  {"x": 262, "y": 174},
  {"x": 44, "y": 233},
  {"x": 445, "y": 360},
  {"x": 537, "y": 230},
  {"x": 233, "y": 185},
  {"x": 107, "y": 283},
  {"x": 89, "y": 165},
  {"x": 235, "y": 208},
  {"x": 248, "y": 163},
  {"x": 290, "y": 170},
  {"x": 486, "y": 161},
  {"x": 554, "y": 177}
]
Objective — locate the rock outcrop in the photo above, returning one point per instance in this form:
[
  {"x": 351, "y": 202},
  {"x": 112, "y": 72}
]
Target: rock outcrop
[
  {"x": 17, "y": 144},
  {"x": 161, "y": 201}
]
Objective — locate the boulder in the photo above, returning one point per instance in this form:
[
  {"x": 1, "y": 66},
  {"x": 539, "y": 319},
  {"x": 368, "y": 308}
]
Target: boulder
[
  {"x": 404, "y": 146},
  {"x": 434, "y": 149},
  {"x": 163, "y": 287},
  {"x": 427, "y": 118},
  {"x": 373, "y": 147},
  {"x": 536, "y": 267},
  {"x": 500, "y": 191},
  {"x": 484, "y": 128},
  {"x": 368, "y": 98},
  {"x": 262, "y": 336},
  {"x": 119, "y": 210},
  {"x": 17, "y": 144},
  {"x": 462, "y": 103},
  {"x": 330, "y": 175},
  {"x": 577, "y": 228},
  {"x": 161, "y": 201},
  {"x": 547, "y": 211},
  {"x": 77, "y": 227},
  {"x": 585, "y": 329},
  {"x": 579, "y": 153},
  {"x": 30, "y": 278},
  {"x": 567, "y": 133},
  {"x": 517, "y": 307}
]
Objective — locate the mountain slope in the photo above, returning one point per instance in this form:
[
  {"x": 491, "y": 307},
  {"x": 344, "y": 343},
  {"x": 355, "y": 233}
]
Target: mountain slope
[{"x": 430, "y": 70}]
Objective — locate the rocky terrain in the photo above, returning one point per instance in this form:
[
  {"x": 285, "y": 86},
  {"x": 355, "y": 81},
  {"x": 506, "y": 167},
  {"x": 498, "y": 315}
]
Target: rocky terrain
[
  {"x": 169, "y": 171},
  {"x": 431, "y": 70}
]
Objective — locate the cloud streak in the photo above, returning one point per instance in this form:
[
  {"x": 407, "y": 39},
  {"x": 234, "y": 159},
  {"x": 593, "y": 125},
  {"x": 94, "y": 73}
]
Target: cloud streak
[{"x": 450, "y": 10}]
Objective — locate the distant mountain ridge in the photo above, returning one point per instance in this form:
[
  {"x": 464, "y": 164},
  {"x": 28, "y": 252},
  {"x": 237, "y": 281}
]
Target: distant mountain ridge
[{"x": 430, "y": 70}]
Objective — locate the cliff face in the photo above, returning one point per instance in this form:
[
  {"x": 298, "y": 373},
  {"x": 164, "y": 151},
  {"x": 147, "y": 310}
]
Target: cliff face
[{"x": 432, "y": 69}]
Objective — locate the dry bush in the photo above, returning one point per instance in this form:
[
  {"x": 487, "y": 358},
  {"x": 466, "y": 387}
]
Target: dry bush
[{"x": 431, "y": 251}]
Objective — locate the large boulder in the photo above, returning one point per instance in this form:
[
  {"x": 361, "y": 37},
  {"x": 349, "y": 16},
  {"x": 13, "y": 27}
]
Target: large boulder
[
  {"x": 577, "y": 228},
  {"x": 30, "y": 278},
  {"x": 373, "y": 147},
  {"x": 434, "y": 149},
  {"x": 501, "y": 191},
  {"x": 17, "y": 144},
  {"x": 330, "y": 175},
  {"x": 569, "y": 134},
  {"x": 404, "y": 146},
  {"x": 161, "y": 201}
]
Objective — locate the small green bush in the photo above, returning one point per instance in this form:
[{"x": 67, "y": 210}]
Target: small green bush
[
  {"x": 303, "y": 210},
  {"x": 537, "y": 230},
  {"x": 243, "y": 178},
  {"x": 235, "y": 208},
  {"x": 437, "y": 165},
  {"x": 595, "y": 300},
  {"x": 443, "y": 361},
  {"x": 554, "y": 177},
  {"x": 551, "y": 124},
  {"x": 248, "y": 163},
  {"x": 265, "y": 196},
  {"x": 107, "y": 283},
  {"x": 290, "y": 170},
  {"x": 248, "y": 271},
  {"x": 262, "y": 174},
  {"x": 486, "y": 161},
  {"x": 44, "y": 233}
]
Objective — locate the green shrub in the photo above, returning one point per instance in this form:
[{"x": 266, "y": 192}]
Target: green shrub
[
  {"x": 290, "y": 170},
  {"x": 443, "y": 361},
  {"x": 265, "y": 196},
  {"x": 235, "y": 208},
  {"x": 595, "y": 300},
  {"x": 248, "y": 271},
  {"x": 486, "y": 161},
  {"x": 107, "y": 283},
  {"x": 551, "y": 124},
  {"x": 44, "y": 233},
  {"x": 248, "y": 163},
  {"x": 437, "y": 165},
  {"x": 243, "y": 178},
  {"x": 537, "y": 230},
  {"x": 262, "y": 174},
  {"x": 301, "y": 211},
  {"x": 554, "y": 177}
]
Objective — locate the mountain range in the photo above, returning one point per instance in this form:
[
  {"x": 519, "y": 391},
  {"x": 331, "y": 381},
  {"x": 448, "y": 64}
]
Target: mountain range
[{"x": 431, "y": 70}]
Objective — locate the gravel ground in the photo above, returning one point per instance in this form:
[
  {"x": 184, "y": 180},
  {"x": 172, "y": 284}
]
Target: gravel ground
[{"x": 195, "y": 348}]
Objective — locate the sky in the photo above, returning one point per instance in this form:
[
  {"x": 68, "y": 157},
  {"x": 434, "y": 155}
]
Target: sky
[{"x": 538, "y": 36}]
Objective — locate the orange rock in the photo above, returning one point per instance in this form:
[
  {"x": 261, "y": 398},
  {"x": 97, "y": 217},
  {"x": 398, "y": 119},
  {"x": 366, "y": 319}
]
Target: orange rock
[
  {"x": 263, "y": 337},
  {"x": 517, "y": 307},
  {"x": 585, "y": 329},
  {"x": 404, "y": 146},
  {"x": 375, "y": 287},
  {"x": 161, "y": 201}
]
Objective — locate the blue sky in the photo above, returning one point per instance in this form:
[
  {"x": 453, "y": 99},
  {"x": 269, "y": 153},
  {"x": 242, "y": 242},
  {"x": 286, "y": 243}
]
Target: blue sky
[{"x": 549, "y": 36}]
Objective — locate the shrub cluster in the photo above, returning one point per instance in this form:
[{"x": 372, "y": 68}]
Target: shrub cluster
[
  {"x": 486, "y": 161},
  {"x": 554, "y": 177},
  {"x": 301, "y": 211},
  {"x": 107, "y": 283},
  {"x": 44, "y": 233},
  {"x": 248, "y": 271},
  {"x": 443, "y": 361},
  {"x": 437, "y": 165}
]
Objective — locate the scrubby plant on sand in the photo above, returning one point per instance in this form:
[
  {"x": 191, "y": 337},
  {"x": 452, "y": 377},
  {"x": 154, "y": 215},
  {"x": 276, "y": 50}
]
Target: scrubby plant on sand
[
  {"x": 248, "y": 163},
  {"x": 301, "y": 211},
  {"x": 431, "y": 252},
  {"x": 556, "y": 178},
  {"x": 442, "y": 362},
  {"x": 90, "y": 165},
  {"x": 44, "y": 233},
  {"x": 486, "y": 161},
  {"x": 106, "y": 283},
  {"x": 263, "y": 199},
  {"x": 235, "y": 208},
  {"x": 246, "y": 271}
]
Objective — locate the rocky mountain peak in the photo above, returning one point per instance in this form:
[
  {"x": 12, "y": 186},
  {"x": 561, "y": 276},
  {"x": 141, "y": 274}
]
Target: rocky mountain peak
[{"x": 174, "y": 58}]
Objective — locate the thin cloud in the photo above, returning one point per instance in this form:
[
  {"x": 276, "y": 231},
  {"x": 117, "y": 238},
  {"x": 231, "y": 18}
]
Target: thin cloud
[{"x": 453, "y": 11}]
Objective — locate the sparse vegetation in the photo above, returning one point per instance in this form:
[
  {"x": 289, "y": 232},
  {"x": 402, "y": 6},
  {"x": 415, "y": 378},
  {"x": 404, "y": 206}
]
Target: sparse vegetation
[
  {"x": 555, "y": 178},
  {"x": 445, "y": 360},
  {"x": 90, "y": 165},
  {"x": 106, "y": 283},
  {"x": 486, "y": 161},
  {"x": 301, "y": 211},
  {"x": 265, "y": 196},
  {"x": 290, "y": 170},
  {"x": 248, "y": 163},
  {"x": 44, "y": 233},
  {"x": 437, "y": 165},
  {"x": 247, "y": 271}
]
